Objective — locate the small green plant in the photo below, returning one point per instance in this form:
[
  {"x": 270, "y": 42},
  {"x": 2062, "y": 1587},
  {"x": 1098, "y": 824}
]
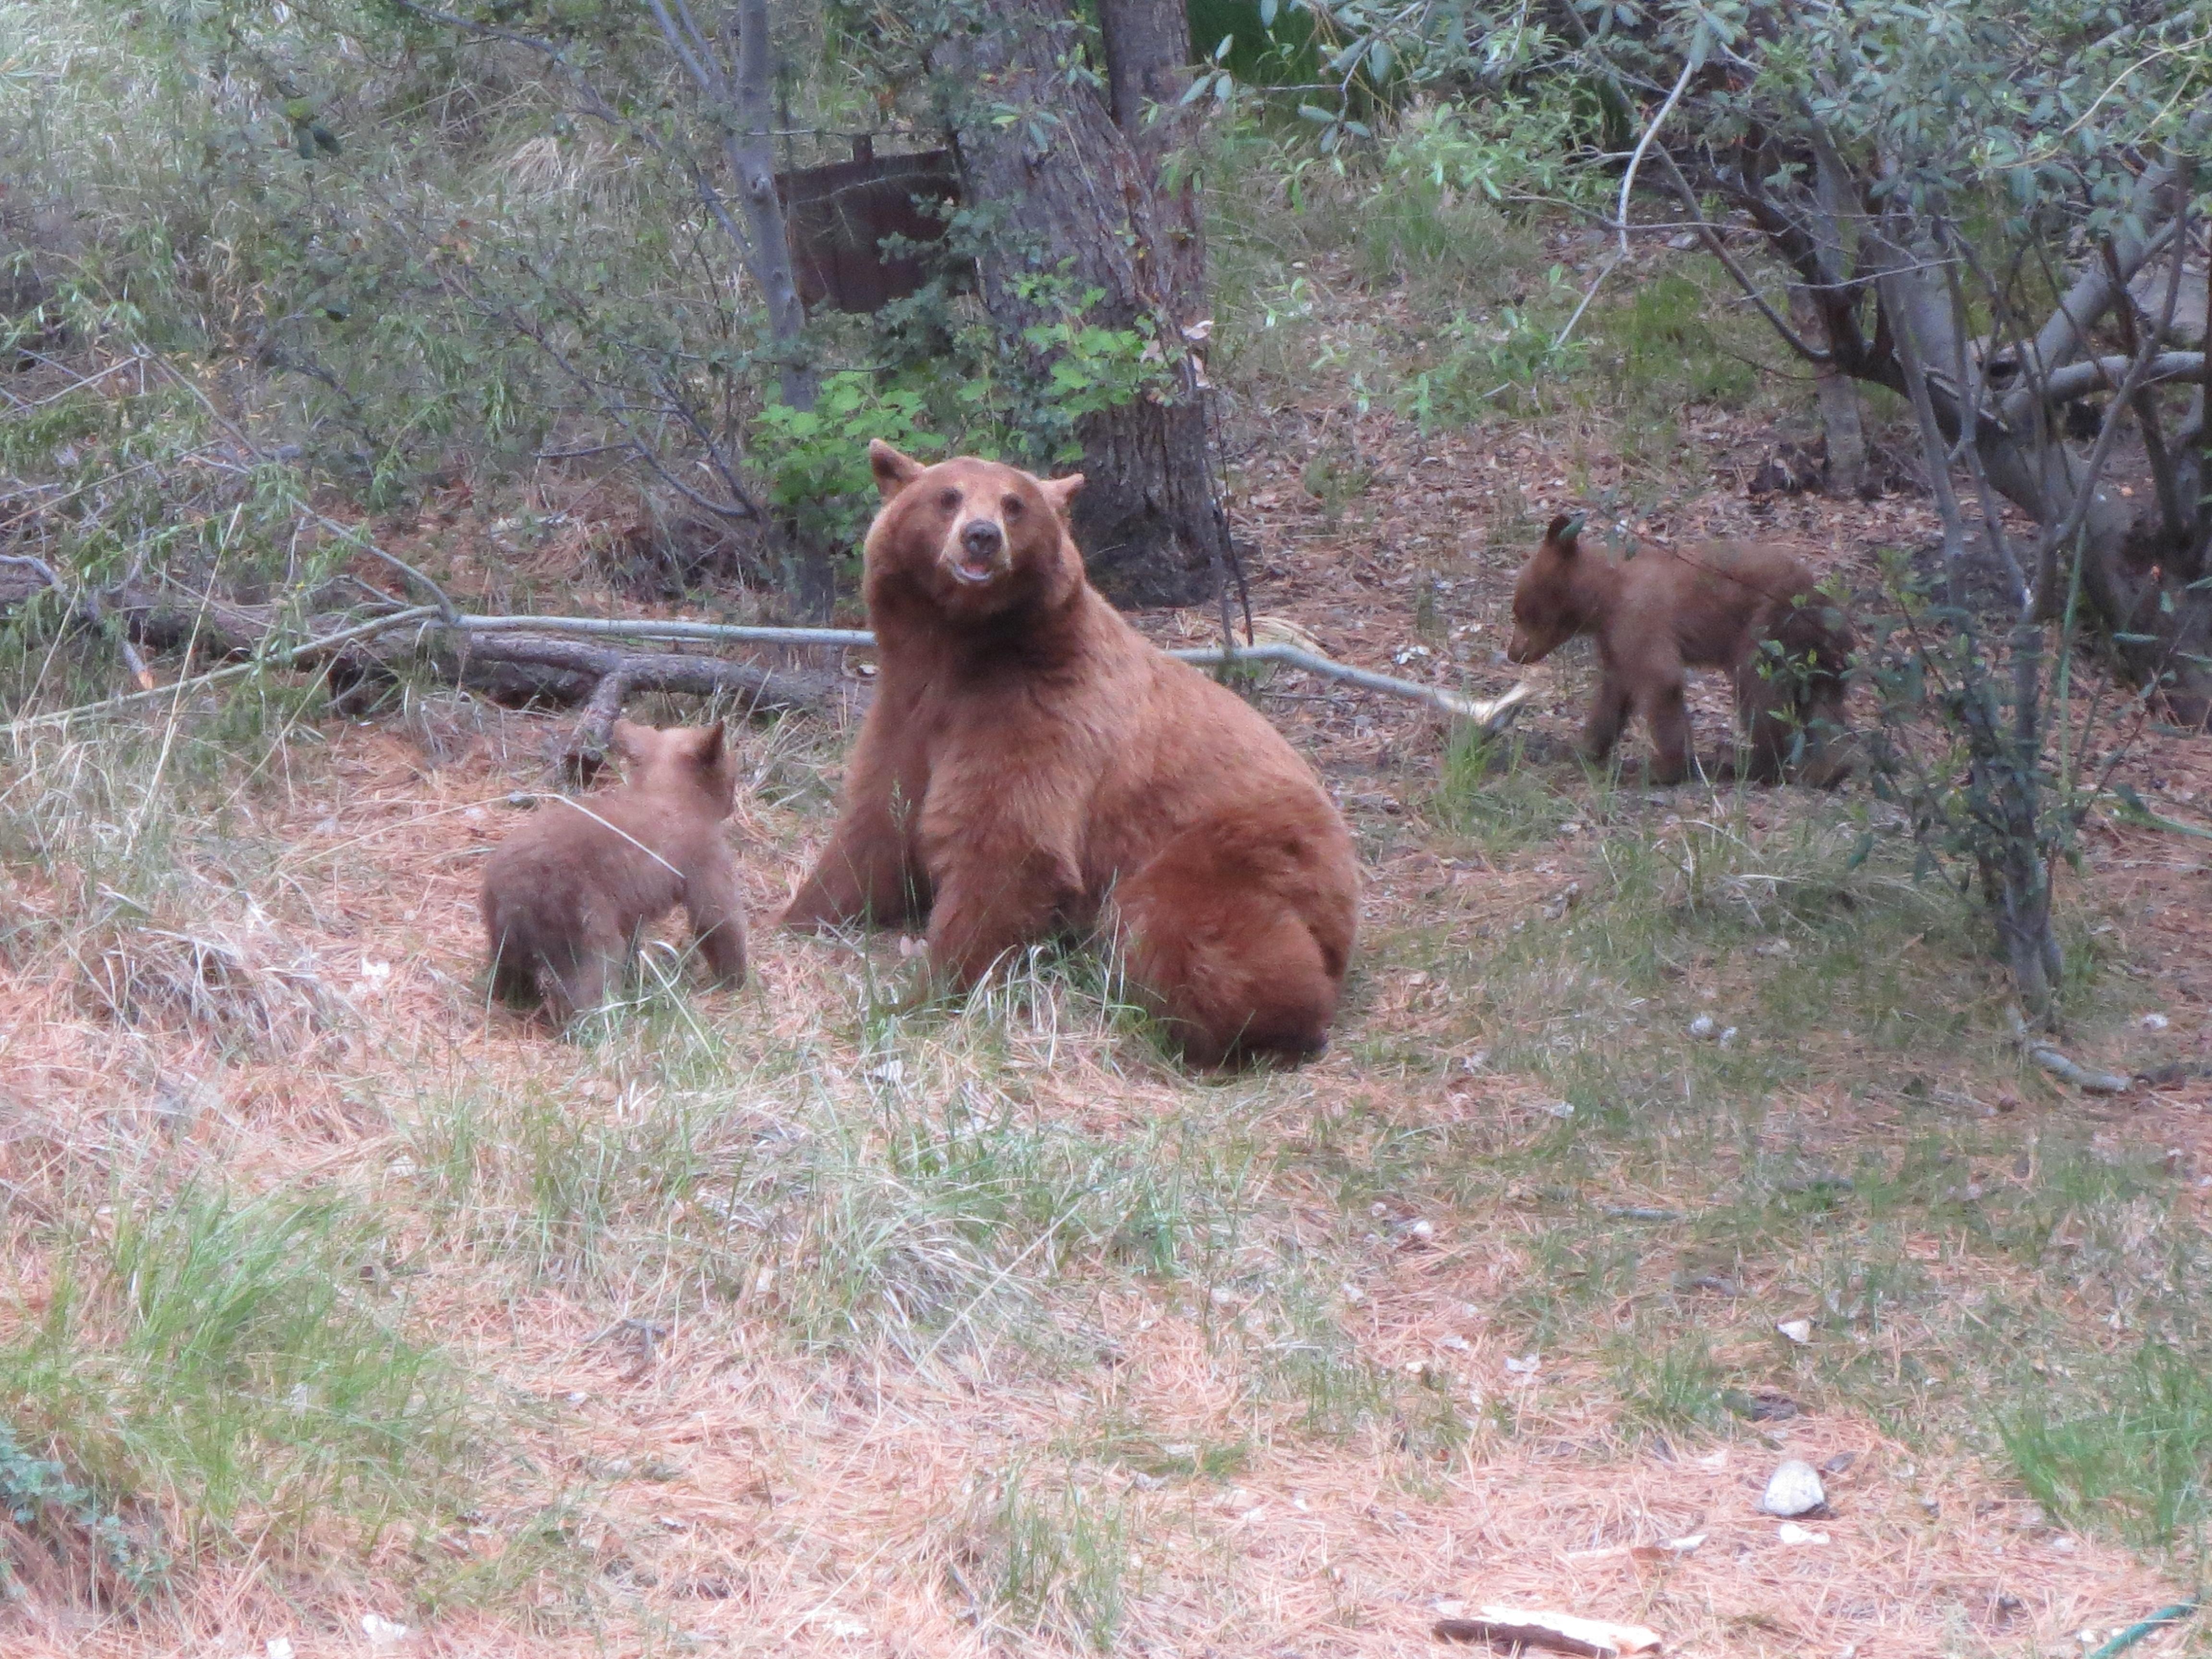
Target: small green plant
[
  {"x": 1495, "y": 361},
  {"x": 2135, "y": 1460},
  {"x": 817, "y": 460},
  {"x": 1058, "y": 1562},
  {"x": 40, "y": 1498},
  {"x": 1668, "y": 352},
  {"x": 219, "y": 1354},
  {"x": 1672, "y": 1389}
]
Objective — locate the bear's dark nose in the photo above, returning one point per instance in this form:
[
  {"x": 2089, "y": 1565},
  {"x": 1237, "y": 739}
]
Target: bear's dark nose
[{"x": 982, "y": 551}]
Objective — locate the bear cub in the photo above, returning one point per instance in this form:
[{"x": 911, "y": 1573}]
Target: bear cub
[
  {"x": 1751, "y": 610},
  {"x": 566, "y": 898},
  {"x": 1032, "y": 765}
]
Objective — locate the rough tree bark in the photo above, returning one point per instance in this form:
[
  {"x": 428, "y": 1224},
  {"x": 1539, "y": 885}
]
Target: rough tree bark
[
  {"x": 735, "y": 79},
  {"x": 1036, "y": 141},
  {"x": 2145, "y": 554},
  {"x": 1838, "y": 401}
]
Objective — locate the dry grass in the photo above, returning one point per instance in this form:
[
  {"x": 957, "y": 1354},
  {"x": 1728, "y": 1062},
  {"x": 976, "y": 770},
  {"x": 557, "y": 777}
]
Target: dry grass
[{"x": 792, "y": 1324}]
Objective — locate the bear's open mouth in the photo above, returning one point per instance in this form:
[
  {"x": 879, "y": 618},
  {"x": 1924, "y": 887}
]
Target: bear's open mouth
[{"x": 975, "y": 572}]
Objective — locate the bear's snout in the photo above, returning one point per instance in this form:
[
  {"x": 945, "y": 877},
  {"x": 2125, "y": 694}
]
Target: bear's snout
[
  {"x": 981, "y": 551},
  {"x": 1522, "y": 648}
]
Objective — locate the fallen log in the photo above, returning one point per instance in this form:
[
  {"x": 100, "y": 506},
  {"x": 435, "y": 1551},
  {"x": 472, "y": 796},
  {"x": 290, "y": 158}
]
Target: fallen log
[
  {"x": 527, "y": 659},
  {"x": 360, "y": 660}
]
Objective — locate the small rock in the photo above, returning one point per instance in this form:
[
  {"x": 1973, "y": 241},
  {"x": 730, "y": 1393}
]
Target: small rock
[
  {"x": 277, "y": 1647},
  {"x": 1790, "y": 1533},
  {"x": 1727, "y": 1037},
  {"x": 1840, "y": 1463},
  {"x": 1799, "y": 1331},
  {"x": 383, "y": 1632},
  {"x": 1703, "y": 1026},
  {"x": 1792, "y": 1489},
  {"x": 1683, "y": 241},
  {"x": 1561, "y": 1109},
  {"x": 1526, "y": 1366},
  {"x": 2155, "y": 1022},
  {"x": 1457, "y": 1344}
]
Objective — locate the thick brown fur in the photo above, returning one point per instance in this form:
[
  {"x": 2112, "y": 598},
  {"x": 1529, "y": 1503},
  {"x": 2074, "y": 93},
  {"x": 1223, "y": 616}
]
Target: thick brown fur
[
  {"x": 1031, "y": 764},
  {"x": 1662, "y": 612},
  {"x": 566, "y": 897}
]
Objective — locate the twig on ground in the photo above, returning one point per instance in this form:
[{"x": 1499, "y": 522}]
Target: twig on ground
[
  {"x": 89, "y": 608},
  {"x": 2055, "y": 1062}
]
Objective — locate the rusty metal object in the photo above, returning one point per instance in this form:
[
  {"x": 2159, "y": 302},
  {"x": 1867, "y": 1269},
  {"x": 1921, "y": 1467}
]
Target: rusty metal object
[{"x": 838, "y": 216}]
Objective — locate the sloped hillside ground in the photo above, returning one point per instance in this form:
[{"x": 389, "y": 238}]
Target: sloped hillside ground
[{"x": 782, "y": 1321}]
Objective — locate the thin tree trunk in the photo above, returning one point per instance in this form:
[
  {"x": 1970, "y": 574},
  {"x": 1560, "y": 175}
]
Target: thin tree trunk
[
  {"x": 749, "y": 144},
  {"x": 1078, "y": 191},
  {"x": 1839, "y": 400}
]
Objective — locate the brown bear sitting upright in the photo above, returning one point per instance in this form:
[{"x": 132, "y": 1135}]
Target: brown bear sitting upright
[
  {"x": 565, "y": 898},
  {"x": 1662, "y": 611},
  {"x": 1031, "y": 764}
]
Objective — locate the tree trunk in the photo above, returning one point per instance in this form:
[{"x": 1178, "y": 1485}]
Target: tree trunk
[
  {"x": 1839, "y": 400},
  {"x": 749, "y": 142},
  {"x": 1039, "y": 146}
]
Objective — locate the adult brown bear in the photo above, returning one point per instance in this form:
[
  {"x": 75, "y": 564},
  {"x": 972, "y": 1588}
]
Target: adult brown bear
[
  {"x": 1031, "y": 764},
  {"x": 1752, "y": 610}
]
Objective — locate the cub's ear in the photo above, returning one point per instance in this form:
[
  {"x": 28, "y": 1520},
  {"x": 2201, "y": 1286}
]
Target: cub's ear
[
  {"x": 706, "y": 746},
  {"x": 1564, "y": 530},
  {"x": 893, "y": 470},
  {"x": 633, "y": 742},
  {"x": 1060, "y": 491}
]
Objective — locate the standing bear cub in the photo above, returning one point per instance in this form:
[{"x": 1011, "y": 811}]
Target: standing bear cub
[
  {"x": 1031, "y": 764},
  {"x": 1751, "y": 610},
  {"x": 565, "y": 898}
]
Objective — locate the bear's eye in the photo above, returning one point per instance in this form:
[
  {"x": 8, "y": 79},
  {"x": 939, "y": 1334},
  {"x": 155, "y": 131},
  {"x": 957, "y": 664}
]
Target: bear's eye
[
  {"x": 1011, "y": 507},
  {"x": 948, "y": 499}
]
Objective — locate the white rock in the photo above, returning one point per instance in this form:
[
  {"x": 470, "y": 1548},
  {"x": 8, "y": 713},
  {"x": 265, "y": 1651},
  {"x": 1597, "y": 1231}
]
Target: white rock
[
  {"x": 1790, "y": 1533},
  {"x": 277, "y": 1647},
  {"x": 1703, "y": 1026},
  {"x": 1560, "y": 1109},
  {"x": 1799, "y": 1331},
  {"x": 2155, "y": 1022},
  {"x": 1792, "y": 1489},
  {"x": 1526, "y": 1366},
  {"x": 383, "y": 1632},
  {"x": 1727, "y": 1037}
]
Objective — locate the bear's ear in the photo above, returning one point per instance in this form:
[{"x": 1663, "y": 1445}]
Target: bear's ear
[
  {"x": 893, "y": 470},
  {"x": 706, "y": 746},
  {"x": 1564, "y": 530},
  {"x": 633, "y": 742},
  {"x": 1060, "y": 491}
]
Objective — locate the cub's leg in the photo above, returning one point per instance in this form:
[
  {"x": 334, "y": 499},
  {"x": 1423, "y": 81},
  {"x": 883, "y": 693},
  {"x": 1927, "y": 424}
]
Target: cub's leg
[
  {"x": 1667, "y": 713},
  {"x": 1608, "y": 713},
  {"x": 576, "y": 979},
  {"x": 1766, "y": 708},
  {"x": 716, "y": 911}
]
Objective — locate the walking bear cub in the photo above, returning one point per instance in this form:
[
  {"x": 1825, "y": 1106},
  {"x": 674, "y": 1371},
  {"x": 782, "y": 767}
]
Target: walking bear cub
[
  {"x": 565, "y": 898},
  {"x": 1031, "y": 764},
  {"x": 1661, "y": 612}
]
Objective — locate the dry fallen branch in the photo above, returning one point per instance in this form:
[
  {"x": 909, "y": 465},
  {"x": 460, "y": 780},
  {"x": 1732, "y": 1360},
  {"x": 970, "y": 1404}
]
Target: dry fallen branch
[
  {"x": 2055, "y": 1062},
  {"x": 560, "y": 660}
]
